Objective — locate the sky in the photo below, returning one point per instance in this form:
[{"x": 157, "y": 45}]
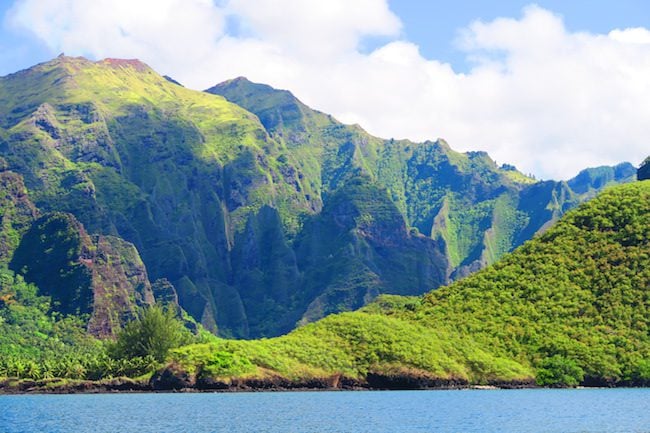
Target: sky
[{"x": 551, "y": 87}]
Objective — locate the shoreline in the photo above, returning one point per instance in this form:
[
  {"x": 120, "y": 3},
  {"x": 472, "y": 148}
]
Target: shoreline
[
  {"x": 172, "y": 378},
  {"x": 13, "y": 386}
]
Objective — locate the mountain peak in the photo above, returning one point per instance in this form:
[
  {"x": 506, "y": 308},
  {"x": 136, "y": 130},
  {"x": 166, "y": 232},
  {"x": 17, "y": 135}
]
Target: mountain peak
[
  {"x": 71, "y": 64},
  {"x": 238, "y": 80},
  {"x": 274, "y": 107},
  {"x": 242, "y": 83},
  {"x": 81, "y": 62},
  {"x": 136, "y": 64}
]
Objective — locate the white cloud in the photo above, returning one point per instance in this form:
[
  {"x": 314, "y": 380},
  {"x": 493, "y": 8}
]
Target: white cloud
[
  {"x": 636, "y": 35},
  {"x": 314, "y": 29},
  {"x": 163, "y": 32},
  {"x": 549, "y": 100}
]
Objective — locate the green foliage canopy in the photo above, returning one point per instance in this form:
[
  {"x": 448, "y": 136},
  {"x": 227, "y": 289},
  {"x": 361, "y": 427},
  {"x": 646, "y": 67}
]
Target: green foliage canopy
[{"x": 154, "y": 333}]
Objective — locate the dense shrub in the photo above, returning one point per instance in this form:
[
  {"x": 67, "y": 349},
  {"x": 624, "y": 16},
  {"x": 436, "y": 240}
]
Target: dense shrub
[
  {"x": 559, "y": 371},
  {"x": 153, "y": 333}
]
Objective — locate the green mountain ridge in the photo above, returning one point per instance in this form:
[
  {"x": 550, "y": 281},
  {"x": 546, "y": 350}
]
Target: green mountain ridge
[
  {"x": 475, "y": 209},
  {"x": 260, "y": 212},
  {"x": 569, "y": 307}
]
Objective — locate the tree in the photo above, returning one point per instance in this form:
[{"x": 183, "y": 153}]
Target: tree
[
  {"x": 153, "y": 333},
  {"x": 558, "y": 371}
]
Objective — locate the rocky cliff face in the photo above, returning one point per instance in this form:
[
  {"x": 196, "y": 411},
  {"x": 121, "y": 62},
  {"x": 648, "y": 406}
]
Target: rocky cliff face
[
  {"x": 475, "y": 210},
  {"x": 257, "y": 211},
  {"x": 101, "y": 277},
  {"x": 16, "y": 211},
  {"x": 119, "y": 283}
]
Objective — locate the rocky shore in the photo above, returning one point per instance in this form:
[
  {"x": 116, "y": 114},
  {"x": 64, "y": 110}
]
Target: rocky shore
[
  {"x": 169, "y": 380},
  {"x": 174, "y": 379}
]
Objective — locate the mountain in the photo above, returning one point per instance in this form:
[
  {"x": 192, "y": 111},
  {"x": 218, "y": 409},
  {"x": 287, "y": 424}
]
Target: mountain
[
  {"x": 643, "y": 173},
  {"x": 568, "y": 307},
  {"x": 254, "y": 211},
  {"x": 476, "y": 210},
  {"x": 473, "y": 209},
  {"x": 100, "y": 276},
  {"x": 130, "y": 154}
]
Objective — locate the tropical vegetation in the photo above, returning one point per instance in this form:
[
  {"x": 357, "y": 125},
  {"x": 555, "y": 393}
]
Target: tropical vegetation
[
  {"x": 569, "y": 307},
  {"x": 254, "y": 211}
]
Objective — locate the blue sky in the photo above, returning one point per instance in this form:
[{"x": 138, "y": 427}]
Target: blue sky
[
  {"x": 551, "y": 86},
  {"x": 434, "y": 24}
]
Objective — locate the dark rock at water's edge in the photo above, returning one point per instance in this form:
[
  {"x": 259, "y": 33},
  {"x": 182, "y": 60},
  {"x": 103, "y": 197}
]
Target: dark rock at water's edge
[
  {"x": 64, "y": 386},
  {"x": 404, "y": 381},
  {"x": 171, "y": 378},
  {"x": 211, "y": 384},
  {"x": 176, "y": 381}
]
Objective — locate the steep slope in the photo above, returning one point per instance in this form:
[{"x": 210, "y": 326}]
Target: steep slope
[
  {"x": 571, "y": 306},
  {"x": 358, "y": 247},
  {"x": 256, "y": 220},
  {"x": 176, "y": 172},
  {"x": 475, "y": 210},
  {"x": 99, "y": 278},
  {"x": 17, "y": 212}
]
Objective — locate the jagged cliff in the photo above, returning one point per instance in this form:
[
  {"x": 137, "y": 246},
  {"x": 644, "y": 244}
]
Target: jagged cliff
[
  {"x": 474, "y": 210},
  {"x": 257, "y": 211},
  {"x": 99, "y": 277}
]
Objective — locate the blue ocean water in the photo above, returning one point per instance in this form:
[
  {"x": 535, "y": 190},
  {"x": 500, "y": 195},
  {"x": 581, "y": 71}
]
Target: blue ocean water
[{"x": 485, "y": 411}]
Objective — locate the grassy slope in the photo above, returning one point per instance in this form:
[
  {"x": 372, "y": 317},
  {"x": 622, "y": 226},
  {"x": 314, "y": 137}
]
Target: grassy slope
[
  {"x": 111, "y": 93},
  {"x": 579, "y": 293}
]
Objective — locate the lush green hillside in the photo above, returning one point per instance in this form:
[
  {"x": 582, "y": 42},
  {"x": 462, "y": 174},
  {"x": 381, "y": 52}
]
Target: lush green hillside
[
  {"x": 256, "y": 215},
  {"x": 99, "y": 278},
  {"x": 475, "y": 210},
  {"x": 173, "y": 171},
  {"x": 572, "y": 306},
  {"x": 569, "y": 307},
  {"x": 17, "y": 212},
  {"x": 38, "y": 343}
]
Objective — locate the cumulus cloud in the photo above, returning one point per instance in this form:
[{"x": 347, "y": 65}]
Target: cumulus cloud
[
  {"x": 546, "y": 99},
  {"x": 164, "y": 32},
  {"x": 636, "y": 35},
  {"x": 314, "y": 29}
]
